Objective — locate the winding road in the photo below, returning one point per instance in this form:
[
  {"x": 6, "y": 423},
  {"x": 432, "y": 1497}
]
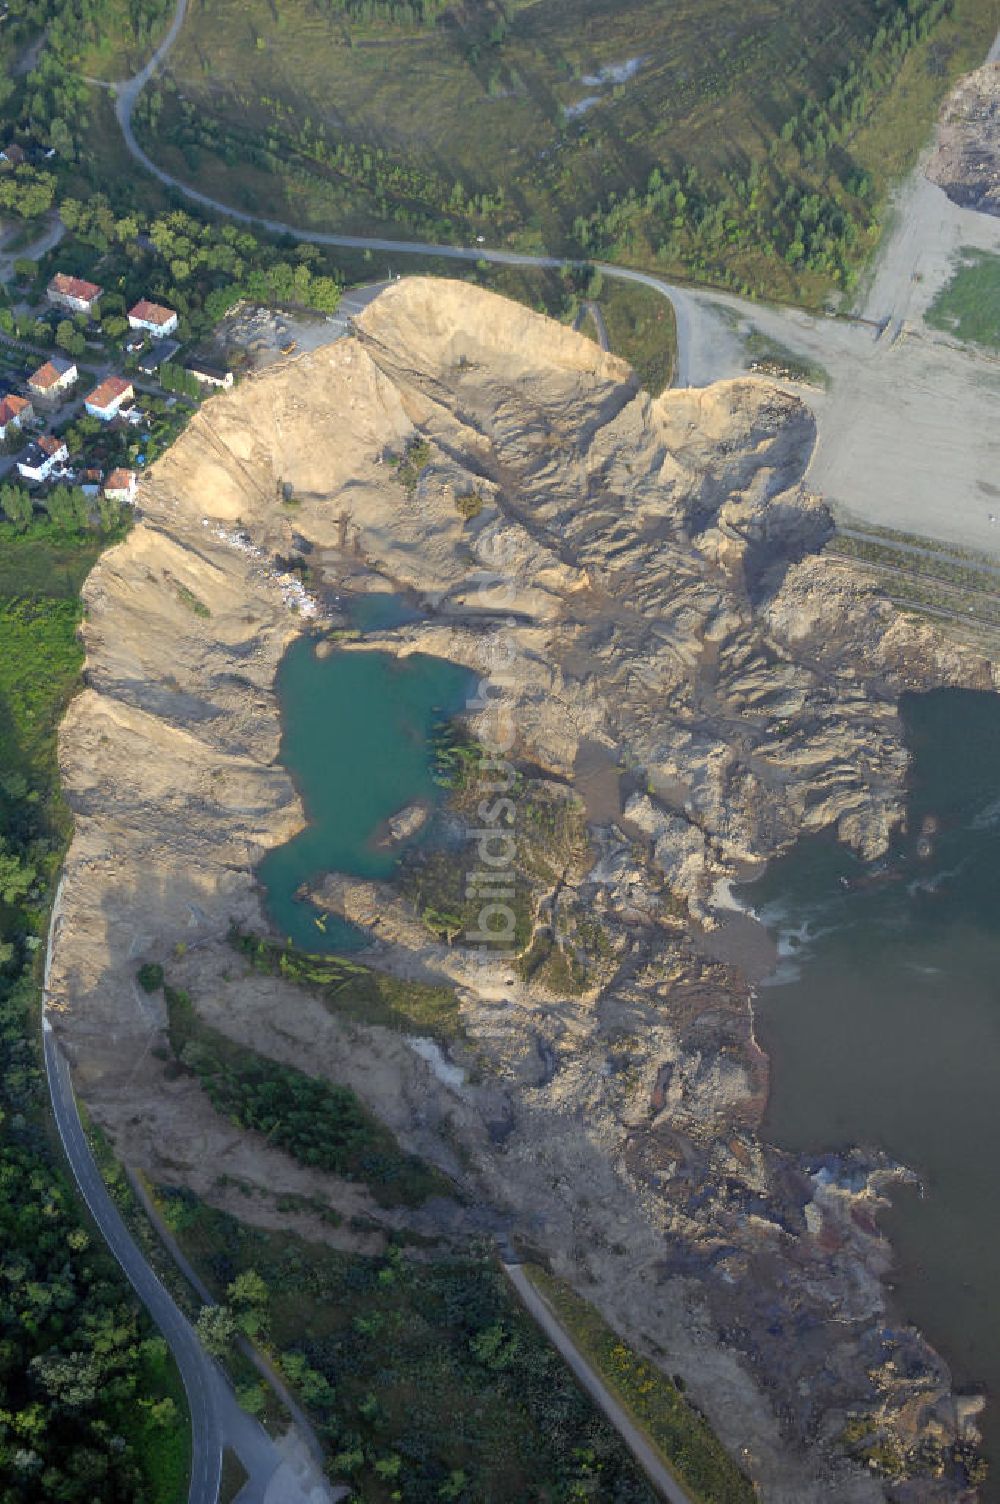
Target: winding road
[{"x": 217, "y": 1421}]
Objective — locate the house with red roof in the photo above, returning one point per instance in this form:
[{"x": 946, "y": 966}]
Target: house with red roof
[
  {"x": 108, "y": 398},
  {"x": 120, "y": 485},
  {"x": 152, "y": 318},
  {"x": 74, "y": 293},
  {"x": 55, "y": 376},
  {"x": 14, "y": 411}
]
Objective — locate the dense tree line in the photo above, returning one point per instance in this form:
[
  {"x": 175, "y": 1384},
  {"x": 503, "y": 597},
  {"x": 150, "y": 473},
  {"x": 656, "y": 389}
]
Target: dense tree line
[
  {"x": 807, "y": 206},
  {"x": 407, "y": 13},
  {"x": 423, "y": 1376},
  {"x": 199, "y": 268},
  {"x": 54, "y": 98}
]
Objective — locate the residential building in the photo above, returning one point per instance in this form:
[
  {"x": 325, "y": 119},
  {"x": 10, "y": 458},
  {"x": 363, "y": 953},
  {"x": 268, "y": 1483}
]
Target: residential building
[
  {"x": 74, "y": 293},
  {"x": 12, "y": 155},
  {"x": 153, "y": 318},
  {"x": 210, "y": 375},
  {"x": 120, "y": 485},
  {"x": 90, "y": 482},
  {"x": 13, "y": 412},
  {"x": 107, "y": 399},
  {"x": 161, "y": 351},
  {"x": 40, "y": 459},
  {"x": 55, "y": 376}
]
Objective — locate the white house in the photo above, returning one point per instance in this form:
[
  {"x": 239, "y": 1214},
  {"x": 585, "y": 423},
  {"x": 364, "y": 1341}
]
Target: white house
[
  {"x": 210, "y": 375},
  {"x": 14, "y": 411},
  {"x": 40, "y": 459},
  {"x": 153, "y": 318},
  {"x": 74, "y": 293},
  {"x": 107, "y": 399},
  {"x": 120, "y": 485},
  {"x": 55, "y": 376}
]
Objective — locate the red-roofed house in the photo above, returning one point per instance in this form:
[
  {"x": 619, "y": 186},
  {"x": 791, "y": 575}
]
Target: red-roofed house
[
  {"x": 73, "y": 293},
  {"x": 13, "y": 412},
  {"x": 153, "y": 318},
  {"x": 107, "y": 399},
  {"x": 40, "y": 459},
  {"x": 13, "y": 155},
  {"x": 55, "y": 376},
  {"x": 120, "y": 485}
]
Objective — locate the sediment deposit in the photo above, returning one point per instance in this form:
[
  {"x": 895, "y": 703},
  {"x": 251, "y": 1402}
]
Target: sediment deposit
[
  {"x": 966, "y": 159},
  {"x": 644, "y": 577}
]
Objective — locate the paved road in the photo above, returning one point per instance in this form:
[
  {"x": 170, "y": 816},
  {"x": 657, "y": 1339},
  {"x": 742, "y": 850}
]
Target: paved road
[
  {"x": 217, "y": 1421},
  {"x": 662, "y": 1479},
  {"x": 266, "y": 1370}
]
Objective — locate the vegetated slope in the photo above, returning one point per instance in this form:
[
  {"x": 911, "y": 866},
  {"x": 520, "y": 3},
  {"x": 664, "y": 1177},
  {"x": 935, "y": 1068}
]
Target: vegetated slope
[
  {"x": 741, "y": 145},
  {"x": 81, "y": 1364},
  {"x": 642, "y": 574}
]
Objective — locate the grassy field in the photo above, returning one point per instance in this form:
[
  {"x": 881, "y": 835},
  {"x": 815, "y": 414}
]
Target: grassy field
[
  {"x": 520, "y": 121},
  {"x": 969, "y": 306},
  {"x": 45, "y": 562},
  {"x": 658, "y": 1406}
]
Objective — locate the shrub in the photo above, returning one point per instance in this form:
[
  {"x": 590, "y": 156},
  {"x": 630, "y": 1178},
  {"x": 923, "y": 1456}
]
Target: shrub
[{"x": 470, "y": 505}]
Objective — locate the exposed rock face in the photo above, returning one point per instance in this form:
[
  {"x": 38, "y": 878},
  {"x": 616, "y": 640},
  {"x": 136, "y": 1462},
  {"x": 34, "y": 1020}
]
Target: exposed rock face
[
  {"x": 966, "y": 162},
  {"x": 643, "y": 576}
]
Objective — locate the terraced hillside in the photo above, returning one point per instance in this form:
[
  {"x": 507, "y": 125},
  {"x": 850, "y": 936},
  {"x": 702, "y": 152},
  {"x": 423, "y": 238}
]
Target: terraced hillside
[{"x": 748, "y": 147}]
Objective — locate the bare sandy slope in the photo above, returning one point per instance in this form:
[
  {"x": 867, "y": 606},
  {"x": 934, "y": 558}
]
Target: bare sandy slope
[{"x": 645, "y": 576}]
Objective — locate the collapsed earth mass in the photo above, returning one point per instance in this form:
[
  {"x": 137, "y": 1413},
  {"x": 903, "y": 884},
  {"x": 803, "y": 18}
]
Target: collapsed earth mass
[{"x": 642, "y": 584}]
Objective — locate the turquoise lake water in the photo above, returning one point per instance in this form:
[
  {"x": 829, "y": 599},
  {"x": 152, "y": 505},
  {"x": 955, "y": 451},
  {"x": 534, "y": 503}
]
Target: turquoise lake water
[
  {"x": 883, "y": 1025},
  {"x": 356, "y": 729}
]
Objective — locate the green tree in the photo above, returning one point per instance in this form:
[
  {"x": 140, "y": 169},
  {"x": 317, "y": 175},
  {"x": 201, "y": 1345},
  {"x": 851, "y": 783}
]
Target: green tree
[
  {"x": 17, "y": 505},
  {"x": 69, "y": 338},
  {"x": 249, "y": 1296},
  {"x": 16, "y": 875},
  {"x": 216, "y": 1330}
]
